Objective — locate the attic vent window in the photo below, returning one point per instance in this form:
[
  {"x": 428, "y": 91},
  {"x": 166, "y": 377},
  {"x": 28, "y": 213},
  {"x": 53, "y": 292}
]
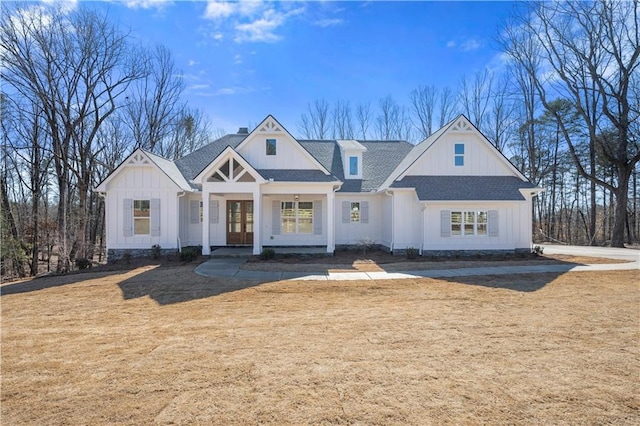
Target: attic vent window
[
  {"x": 459, "y": 154},
  {"x": 271, "y": 147}
]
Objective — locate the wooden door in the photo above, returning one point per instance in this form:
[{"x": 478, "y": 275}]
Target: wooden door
[{"x": 240, "y": 222}]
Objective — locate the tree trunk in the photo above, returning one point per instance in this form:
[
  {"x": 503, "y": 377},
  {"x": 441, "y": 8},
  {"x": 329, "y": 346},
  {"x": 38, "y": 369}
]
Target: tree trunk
[{"x": 620, "y": 214}]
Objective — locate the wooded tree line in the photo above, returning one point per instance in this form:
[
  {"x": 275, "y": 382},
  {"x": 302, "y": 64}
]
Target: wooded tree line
[{"x": 80, "y": 93}]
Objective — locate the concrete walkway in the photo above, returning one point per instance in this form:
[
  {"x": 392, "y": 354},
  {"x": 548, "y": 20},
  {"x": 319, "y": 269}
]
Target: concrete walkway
[{"x": 230, "y": 268}]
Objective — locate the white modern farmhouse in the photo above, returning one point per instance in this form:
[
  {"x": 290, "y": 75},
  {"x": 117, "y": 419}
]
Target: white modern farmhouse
[{"x": 452, "y": 192}]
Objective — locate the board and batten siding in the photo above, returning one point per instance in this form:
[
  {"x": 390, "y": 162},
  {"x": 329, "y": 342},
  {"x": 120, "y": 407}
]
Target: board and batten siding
[
  {"x": 142, "y": 183},
  {"x": 407, "y": 220},
  {"x": 479, "y": 160},
  {"x": 351, "y": 233},
  {"x": 274, "y": 237},
  {"x": 289, "y": 154},
  {"x": 514, "y": 227}
]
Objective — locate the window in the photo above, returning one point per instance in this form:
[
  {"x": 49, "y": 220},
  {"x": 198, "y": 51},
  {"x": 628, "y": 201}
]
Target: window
[
  {"x": 271, "y": 147},
  {"x": 141, "y": 217},
  {"x": 469, "y": 223},
  {"x": 353, "y": 166},
  {"x": 459, "y": 154},
  {"x": 355, "y": 212},
  {"x": 296, "y": 217}
]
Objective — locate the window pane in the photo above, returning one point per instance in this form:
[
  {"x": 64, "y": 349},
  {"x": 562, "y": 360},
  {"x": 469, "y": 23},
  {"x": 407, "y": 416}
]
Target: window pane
[
  {"x": 459, "y": 149},
  {"x": 305, "y": 226},
  {"x": 469, "y": 217},
  {"x": 459, "y": 160},
  {"x": 141, "y": 208},
  {"x": 482, "y": 229},
  {"x": 271, "y": 147},
  {"x": 353, "y": 165},
  {"x": 456, "y": 217},
  {"x": 288, "y": 225},
  {"x": 141, "y": 226},
  {"x": 468, "y": 229},
  {"x": 355, "y": 212},
  {"x": 288, "y": 209},
  {"x": 482, "y": 217}
]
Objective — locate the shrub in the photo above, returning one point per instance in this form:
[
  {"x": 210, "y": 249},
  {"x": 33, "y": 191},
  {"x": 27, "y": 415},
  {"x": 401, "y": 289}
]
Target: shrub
[
  {"x": 537, "y": 250},
  {"x": 155, "y": 251},
  {"x": 83, "y": 263},
  {"x": 267, "y": 254},
  {"x": 412, "y": 253},
  {"x": 127, "y": 257},
  {"x": 365, "y": 244},
  {"x": 189, "y": 254}
]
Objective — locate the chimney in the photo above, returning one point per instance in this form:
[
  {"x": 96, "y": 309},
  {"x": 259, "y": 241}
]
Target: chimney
[{"x": 243, "y": 131}]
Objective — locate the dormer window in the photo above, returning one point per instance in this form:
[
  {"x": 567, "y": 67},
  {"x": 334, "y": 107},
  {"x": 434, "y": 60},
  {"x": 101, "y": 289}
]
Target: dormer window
[
  {"x": 353, "y": 166},
  {"x": 459, "y": 154},
  {"x": 271, "y": 147}
]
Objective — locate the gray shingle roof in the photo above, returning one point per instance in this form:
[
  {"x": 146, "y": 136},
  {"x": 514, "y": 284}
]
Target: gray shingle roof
[
  {"x": 379, "y": 160},
  {"x": 296, "y": 175},
  {"x": 192, "y": 164},
  {"x": 466, "y": 188}
]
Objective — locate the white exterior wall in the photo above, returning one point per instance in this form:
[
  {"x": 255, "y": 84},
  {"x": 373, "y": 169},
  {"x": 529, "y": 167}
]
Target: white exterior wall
[
  {"x": 353, "y": 232},
  {"x": 282, "y": 239},
  {"x": 142, "y": 183},
  {"x": 386, "y": 229},
  {"x": 289, "y": 154},
  {"x": 514, "y": 232},
  {"x": 407, "y": 220},
  {"x": 479, "y": 160}
]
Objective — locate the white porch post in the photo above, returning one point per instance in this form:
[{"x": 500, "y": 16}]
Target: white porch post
[
  {"x": 257, "y": 222},
  {"x": 331, "y": 215},
  {"x": 206, "y": 245}
]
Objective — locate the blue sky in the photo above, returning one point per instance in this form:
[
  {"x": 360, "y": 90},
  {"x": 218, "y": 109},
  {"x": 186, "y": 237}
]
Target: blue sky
[{"x": 244, "y": 60}]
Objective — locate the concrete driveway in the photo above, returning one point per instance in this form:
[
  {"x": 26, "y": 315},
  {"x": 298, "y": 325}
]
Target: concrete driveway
[{"x": 608, "y": 252}]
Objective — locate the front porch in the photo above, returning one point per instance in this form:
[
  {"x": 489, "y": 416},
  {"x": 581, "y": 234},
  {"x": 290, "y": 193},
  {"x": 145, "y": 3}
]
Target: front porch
[{"x": 248, "y": 251}]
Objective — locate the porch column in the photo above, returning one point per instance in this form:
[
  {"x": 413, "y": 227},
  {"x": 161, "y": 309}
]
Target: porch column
[
  {"x": 206, "y": 245},
  {"x": 331, "y": 215},
  {"x": 257, "y": 222}
]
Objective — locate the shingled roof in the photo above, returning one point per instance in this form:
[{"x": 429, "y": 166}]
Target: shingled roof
[
  {"x": 378, "y": 161},
  {"x": 466, "y": 188}
]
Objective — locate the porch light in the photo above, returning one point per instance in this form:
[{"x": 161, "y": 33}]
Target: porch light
[{"x": 296, "y": 197}]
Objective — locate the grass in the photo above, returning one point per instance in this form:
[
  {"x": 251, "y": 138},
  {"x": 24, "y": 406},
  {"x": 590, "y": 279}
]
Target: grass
[{"x": 159, "y": 344}]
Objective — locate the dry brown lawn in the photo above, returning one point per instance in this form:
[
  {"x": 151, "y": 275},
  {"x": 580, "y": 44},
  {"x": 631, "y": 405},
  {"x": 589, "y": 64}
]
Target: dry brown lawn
[{"x": 163, "y": 345}]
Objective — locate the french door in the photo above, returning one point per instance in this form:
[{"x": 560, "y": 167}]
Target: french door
[{"x": 240, "y": 222}]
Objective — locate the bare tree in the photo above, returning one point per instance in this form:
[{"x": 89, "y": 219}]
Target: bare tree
[
  {"x": 500, "y": 116},
  {"x": 446, "y": 105},
  {"x": 591, "y": 53},
  {"x": 154, "y": 103},
  {"x": 387, "y": 118},
  {"x": 363, "y": 119},
  {"x": 475, "y": 97},
  {"x": 342, "y": 120},
  {"x": 423, "y": 103},
  {"x": 191, "y": 130},
  {"x": 315, "y": 122},
  {"x": 74, "y": 66}
]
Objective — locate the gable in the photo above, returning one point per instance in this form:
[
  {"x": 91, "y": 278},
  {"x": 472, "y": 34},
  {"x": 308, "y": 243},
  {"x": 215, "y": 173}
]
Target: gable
[
  {"x": 144, "y": 170},
  {"x": 478, "y": 158},
  {"x": 288, "y": 153},
  {"x": 229, "y": 166},
  {"x": 436, "y": 155}
]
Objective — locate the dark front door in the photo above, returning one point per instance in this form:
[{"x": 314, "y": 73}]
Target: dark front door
[{"x": 240, "y": 222}]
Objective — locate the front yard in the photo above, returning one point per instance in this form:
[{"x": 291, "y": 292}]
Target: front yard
[{"x": 163, "y": 345}]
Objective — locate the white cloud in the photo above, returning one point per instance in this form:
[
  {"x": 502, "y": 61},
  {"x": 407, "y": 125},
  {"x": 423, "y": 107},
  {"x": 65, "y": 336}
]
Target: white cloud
[
  {"x": 199, "y": 86},
  {"x": 219, "y": 9},
  {"x": 470, "y": 44},
  {"x": 451, "y": 44},
  {"x": 237, "y": 59},
  {"x": 192, "y": 62},
  {"x": 146, "y": 4},
  {"x": 249, "y": 21},
  {"x": 328, "y": 22}
]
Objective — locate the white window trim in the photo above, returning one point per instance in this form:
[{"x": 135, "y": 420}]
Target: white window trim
[
  {"x": 456, "y": 155},
  {"x": 462, "y": 224},
  {"x": 141, "y": 218},
  {"x": 297, "y": 218}
]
